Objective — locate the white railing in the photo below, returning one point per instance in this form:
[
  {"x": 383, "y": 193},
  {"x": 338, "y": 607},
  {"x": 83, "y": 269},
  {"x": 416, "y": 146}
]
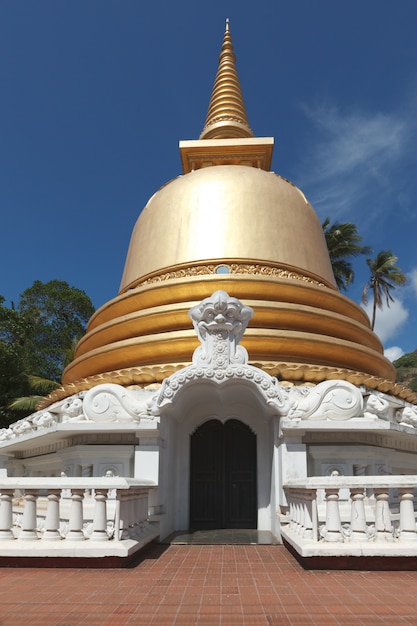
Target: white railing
[
  {"x": 351, "y": 515},
  {"x": 47, "y": 515}
]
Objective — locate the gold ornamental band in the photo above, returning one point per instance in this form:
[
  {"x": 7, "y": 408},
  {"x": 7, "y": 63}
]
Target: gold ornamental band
[
  {"x": 287, "y": 373},
  {"x": 251, "y": 269}
]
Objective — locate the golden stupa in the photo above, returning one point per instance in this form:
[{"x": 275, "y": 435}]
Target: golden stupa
[{"x": 229, "y": 223}]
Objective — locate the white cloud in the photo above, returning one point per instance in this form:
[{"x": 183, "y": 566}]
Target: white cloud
[
  {"x": 389, "y": 320},
  {"x": 393, "y": 353},
  {"x": 353, "y": 140},
  {"x": 412, "y": 281},
  {"x": 353, "y": 160}
]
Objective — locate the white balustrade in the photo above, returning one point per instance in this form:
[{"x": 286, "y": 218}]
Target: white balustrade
[
  {"x": 100, "y": 516},
  {"x": 52, "y": 516},
  {"x": 310, "y": 515},
  {"x": 75, "y": 531},
  {"x": 29, "y": 516},
  {"x": 370, "y": 517},
  {"x": 407, "y": 518},
  {"x": 358, "y": 527},
  {"x": 68, "y": 512},
  {"x": 6, "y": 514},
  {"x": 383, "y": 524},
  {"x": 333, "y": 523},
  {"x": 303, "y": 513}
]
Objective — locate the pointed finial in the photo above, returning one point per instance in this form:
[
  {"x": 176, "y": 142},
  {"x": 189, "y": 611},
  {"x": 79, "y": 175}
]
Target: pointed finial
[{"x": 226, "y": 117}]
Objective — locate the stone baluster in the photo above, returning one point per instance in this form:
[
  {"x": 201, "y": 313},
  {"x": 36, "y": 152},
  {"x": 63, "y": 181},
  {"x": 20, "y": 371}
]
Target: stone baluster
[
  {"x": 297, "y": 512},
  {"x": 358, "y": 526},
  {"x": 141, "y": 514},
  {"x": 28, "y": 531},
  {"x": 117, "y": 522},
  {"x": 305, "y": 521},
  {"x": 300, "y": 501},
  {"x": 133, "y": 505},
  {"x": 308, "y": 527},
  {"x": 52, "y": 516},
  {"x": 302, "y": 513},
  {"x": 362, "y": 470},
  {"x": 75, "y": 532},
  {"x": 6, "y": 514},
  {"x": 124, "y": 520},
  {"x": 141, "y": 506},
  {"x": 383, "y": 525},
  {"x": 131, "y": 508},
  {"x": 407, "y": 516},
  {"x": 100, "y": 516},
  {"x": 292, "y": 508},
  {"x": 314, "y": 515},
  {"x": 333, "y": 523}
]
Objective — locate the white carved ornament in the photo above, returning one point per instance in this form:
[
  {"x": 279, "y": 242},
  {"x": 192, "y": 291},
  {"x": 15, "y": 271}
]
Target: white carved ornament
[
  {"x": 329, "y": 400},
  {"x": 220, "y": 322},
  {"x": 113, "y": 403}
]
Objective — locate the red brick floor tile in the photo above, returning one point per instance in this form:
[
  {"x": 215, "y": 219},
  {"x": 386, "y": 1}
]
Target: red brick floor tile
[{"x": 213, "y": 585}]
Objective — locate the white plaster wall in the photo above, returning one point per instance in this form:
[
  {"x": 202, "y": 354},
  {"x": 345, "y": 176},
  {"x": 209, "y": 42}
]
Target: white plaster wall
[
  {"x": 350, "y": 460},
  {"x": 292, "y": 463},
  {"x": 77, "y": 461}
]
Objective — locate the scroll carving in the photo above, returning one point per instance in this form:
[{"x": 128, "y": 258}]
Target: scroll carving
[{"x": 333, "y": 400}]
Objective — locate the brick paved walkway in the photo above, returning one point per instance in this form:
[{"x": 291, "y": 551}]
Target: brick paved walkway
[{"x": 207, "y": 585}]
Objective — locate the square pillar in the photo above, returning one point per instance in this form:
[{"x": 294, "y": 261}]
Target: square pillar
[{"x": 146, "y": 465}]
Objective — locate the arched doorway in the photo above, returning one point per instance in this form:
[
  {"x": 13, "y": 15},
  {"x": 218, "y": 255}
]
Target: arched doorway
[{"x": 223, "y": 476}]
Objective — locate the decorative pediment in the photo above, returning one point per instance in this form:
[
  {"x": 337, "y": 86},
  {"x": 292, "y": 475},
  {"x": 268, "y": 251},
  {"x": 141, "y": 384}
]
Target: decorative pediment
[{"x": 220, "y": 322}]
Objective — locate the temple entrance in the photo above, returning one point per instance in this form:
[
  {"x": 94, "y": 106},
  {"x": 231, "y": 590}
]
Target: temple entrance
[{"x": 223, "y": 476}]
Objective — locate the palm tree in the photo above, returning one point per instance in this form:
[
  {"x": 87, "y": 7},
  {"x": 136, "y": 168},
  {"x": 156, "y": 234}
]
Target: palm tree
[
  {"x": 385, "y": 275},
  {"x": 28, "y": 404},
  {"x": 343, "y": 242}
]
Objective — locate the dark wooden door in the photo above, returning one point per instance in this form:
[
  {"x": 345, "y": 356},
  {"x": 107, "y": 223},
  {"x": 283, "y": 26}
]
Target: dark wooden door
[{"x": 223, "y": 476}]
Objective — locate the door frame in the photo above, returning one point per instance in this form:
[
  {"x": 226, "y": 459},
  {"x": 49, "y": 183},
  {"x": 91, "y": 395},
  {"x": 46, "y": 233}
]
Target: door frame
[{"x": 202, "y": 402}]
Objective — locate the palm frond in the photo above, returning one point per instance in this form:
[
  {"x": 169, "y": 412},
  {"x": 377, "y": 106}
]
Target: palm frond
[
  {"x": 26, "y": 403},
  {"x": 42, "y": 385},
  {"x": 385, "y": 276},
  {"x": 343, "y": 242}
]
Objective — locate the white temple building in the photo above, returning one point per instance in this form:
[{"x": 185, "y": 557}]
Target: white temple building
[{"x": 229, "y": 384}]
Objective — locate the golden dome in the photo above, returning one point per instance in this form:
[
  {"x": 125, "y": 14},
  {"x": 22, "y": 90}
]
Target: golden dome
[
  {"x": 223, "y": 213},
  {"x": 252, "y": 234},
  {"x": 229, "y": 224}
]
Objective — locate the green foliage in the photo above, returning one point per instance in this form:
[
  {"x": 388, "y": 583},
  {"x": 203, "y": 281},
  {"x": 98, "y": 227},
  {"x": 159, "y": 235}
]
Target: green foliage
[
  {"x": 37, "y": 339},
  {"x": 13, "y": 381},
  {"x": 26, "y": 404},
  {"x": 343, "y": 243},
  {"x": 55, "y": 315},
  {"x": 406, "y": 367},
  {"x": 407, "y": 360},
  {"x": 12, "y": 378}
]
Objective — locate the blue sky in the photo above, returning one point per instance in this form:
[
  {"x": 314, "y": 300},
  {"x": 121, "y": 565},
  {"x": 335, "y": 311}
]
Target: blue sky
[{"x": 96, "y": 94}]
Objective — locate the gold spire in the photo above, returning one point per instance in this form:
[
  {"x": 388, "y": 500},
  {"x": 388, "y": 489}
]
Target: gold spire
[{"x": 226, "y": 117}]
